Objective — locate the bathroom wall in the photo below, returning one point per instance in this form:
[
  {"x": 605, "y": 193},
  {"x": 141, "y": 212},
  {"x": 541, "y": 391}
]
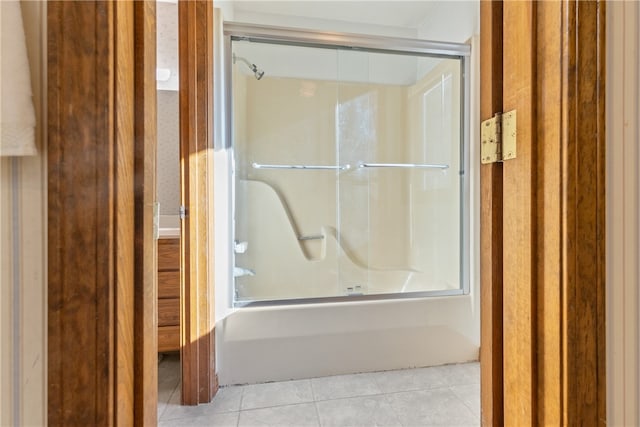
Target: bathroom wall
[
  {"x": 168, "y": 152},
  {"x": 454, "y": 21},
  {"x": 23, "y": 308},
  {"x": 168, "y": 149},
  {"x": 167, "y": 43},
  {"x": 317, "y": 23},
  {"x": 623, "y": 213}
]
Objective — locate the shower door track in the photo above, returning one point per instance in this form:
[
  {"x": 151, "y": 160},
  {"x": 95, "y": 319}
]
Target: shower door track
[
  {"x": 350, "y": 298},
  {"x": 301, "y": 37}
]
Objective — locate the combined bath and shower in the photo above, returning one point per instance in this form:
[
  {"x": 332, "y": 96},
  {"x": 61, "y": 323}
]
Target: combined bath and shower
[{"x": 258, "y": 73}]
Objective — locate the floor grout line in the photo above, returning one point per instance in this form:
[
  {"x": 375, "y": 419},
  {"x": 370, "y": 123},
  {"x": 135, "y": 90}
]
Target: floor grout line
[
  {"x": 315, "y": 402},
  {"x": 240, "y": 406},
  {"x": 472, "y": 410},
  {"x": 166, "y": 404},
  {"x": 360, "y": 396},
  {"x": 386, "y": 398},
  {"x": 279, "y": 406}
]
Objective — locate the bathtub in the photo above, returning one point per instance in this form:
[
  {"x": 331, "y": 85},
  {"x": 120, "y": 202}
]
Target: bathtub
[
  {"x": 264, "y": 344},
  {"x": 297, "y": 341}
]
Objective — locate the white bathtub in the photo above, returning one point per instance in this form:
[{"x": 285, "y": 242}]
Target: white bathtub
[{"x": 265, "y": 344}]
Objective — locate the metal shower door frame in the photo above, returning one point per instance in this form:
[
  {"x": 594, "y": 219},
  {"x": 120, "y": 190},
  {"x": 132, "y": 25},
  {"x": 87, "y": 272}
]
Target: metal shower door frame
[{"x": 234, "y": 31}]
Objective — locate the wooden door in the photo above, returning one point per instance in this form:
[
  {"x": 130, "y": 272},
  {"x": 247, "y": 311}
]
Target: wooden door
[
  {"x": 543, "y": 351},
  {"x": 197, "y": 333},
  {"x": 102, "y": 363}
]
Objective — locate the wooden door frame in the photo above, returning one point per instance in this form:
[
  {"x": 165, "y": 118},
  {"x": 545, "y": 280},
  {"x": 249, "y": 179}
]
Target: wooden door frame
[
  {"x": 107, "y": 111},
  {"x": 102, "y": 363},
  {"x": 556, "y": 186},
  {"x": 491, "y": 222},
  {"x": 145, "y": 194},
  {"x": 197, "y": 298},
  {"x": 94, "y": 121}
]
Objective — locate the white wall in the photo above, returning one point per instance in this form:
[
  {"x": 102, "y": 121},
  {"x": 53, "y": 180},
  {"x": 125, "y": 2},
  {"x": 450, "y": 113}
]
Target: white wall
[
  {"x": 307, "y": 22},
  {"x": 168, "y": 169},
  {"x": 167, "y": 43},
  {"x": 451, "y": 21},
  {"x": 623, "y": 214},
  {"x": 23, "y": 308}
]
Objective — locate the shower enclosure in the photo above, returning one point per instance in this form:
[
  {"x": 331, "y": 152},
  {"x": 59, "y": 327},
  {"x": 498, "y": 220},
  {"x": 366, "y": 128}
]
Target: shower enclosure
[{"x": 349, "y": 166}]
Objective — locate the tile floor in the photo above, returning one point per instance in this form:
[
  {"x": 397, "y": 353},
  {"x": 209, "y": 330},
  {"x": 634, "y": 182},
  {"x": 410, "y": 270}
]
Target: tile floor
[{"x": 438, "y": 396}]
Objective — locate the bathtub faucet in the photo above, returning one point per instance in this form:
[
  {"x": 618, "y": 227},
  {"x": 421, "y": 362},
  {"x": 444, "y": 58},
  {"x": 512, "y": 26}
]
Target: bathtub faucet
[{"x": 240, "y": 271}]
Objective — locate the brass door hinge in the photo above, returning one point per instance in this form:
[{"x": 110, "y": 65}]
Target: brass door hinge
[{"x": 498, "y": 138}]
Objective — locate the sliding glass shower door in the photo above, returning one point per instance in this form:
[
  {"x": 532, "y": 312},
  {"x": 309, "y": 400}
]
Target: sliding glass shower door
[{"x": 349, "y": 172}]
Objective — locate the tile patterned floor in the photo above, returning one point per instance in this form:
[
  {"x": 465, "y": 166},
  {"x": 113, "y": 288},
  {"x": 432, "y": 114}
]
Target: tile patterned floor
[{"x": 438, "y": 396}]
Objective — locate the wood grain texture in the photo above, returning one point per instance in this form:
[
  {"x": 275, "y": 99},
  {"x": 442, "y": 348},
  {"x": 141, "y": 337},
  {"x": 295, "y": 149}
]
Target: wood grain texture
[
  {"x": 146, "y": 340},
  {"x": 553, "y": 293},
  {"x": 90, "y": 218},
  {"x": 199, "y": 380},
  {"x": 519, "y": 223},
  {"x": 80, "y": 278},
  {"x": 549, "y": 182},
  {"x": 491, "y": 222},
  {"x": 169, "y": 255},
  {"x": 168, "y": 284},
  {"x": 583, "y": 213},
  {"x": 189, "y": 281},
  {"x": 599, "y": 20},
  {"x": 169, "y": 295},
  {"x": 123, "y": 194},
  {"x": 207, "y": 357},
  {"x": 169, "y": 312},
  {"x": 168, "y": 338}
]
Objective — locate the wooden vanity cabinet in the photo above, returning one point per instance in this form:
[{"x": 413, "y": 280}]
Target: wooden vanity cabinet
[{"x": 168, "y": 294}]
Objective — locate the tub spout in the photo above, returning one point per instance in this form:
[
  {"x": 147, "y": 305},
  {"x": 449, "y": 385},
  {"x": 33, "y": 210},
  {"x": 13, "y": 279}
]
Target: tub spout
[{"x": 240, "y": 271}]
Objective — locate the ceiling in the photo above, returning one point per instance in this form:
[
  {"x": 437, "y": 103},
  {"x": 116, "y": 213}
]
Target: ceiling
[
  {"x": 389, "y": 17},
  {"x": 388, "y": 13}
]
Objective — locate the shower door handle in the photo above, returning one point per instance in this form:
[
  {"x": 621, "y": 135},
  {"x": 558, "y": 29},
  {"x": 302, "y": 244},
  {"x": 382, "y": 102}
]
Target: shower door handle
[
  {"x": 403, "y": 165},
  {"x": 305, "y": 167}
]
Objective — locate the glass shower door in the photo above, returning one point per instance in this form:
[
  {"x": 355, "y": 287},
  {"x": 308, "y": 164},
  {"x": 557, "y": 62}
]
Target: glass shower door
[
  {"x": 349, "y": 173},
  {"x": 355, "y": 137},
  {"x": 399, "y": 124},
  {"x": 285, "y": 172}
]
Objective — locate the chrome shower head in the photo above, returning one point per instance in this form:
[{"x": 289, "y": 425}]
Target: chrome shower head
[{"x": 253, "y": 67}]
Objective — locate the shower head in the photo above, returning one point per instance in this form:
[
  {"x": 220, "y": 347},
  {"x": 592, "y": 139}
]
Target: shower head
[{"x": 258, "y": 73}]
